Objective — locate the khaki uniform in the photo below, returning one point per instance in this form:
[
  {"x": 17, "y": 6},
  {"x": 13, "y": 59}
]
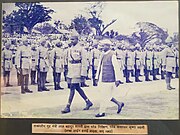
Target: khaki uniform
[
  {"x": 169, "y": 59},
  {"x": 77, "y": 64},
  {"x": 7, "y": 60}
]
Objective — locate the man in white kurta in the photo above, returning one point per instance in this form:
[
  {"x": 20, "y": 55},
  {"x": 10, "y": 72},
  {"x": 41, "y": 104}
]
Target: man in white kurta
[{"x": 108, "y": 77}]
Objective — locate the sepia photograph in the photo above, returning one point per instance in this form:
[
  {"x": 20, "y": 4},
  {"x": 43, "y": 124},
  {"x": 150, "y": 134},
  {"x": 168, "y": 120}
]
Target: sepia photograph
[{"x": 90, "y": 60}]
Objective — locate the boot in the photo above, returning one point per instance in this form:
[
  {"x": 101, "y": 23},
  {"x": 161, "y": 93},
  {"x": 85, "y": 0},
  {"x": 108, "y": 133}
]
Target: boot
[
  {"x": 28, "y": 91},
  {"x": 128, "y": 81},
  {"x": 88, "y": 105},
  {"x": 120, "y": 105},
  {"x": 59, "y": 87},
  {"x": 66, "y": 110}
]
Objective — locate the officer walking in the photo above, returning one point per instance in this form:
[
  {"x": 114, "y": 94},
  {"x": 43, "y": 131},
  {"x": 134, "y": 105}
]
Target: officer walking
[
  {"x": 108, "y": 77},
  {"x": 7, "y": 64},
  {"x": 76, "y": 71},
  {"x": 57, "y": 64},
  {"x": 24, "y": 65}
]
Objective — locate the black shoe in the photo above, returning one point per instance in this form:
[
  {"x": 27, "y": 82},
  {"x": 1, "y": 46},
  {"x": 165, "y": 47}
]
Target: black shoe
[
  {"x": 138, "y": 80},
  {"x": 148, "y": 80},
  {"x": 155, "y": 78},
  {"x": 88, "y": 105},
  {"x": 59, "y": 87},
  {"x": 47, "y": 82},
  {"x": 84, "y": 85},
  {"x": 120, "y": 106},
  {"x": 23, "y": 92},
  {"x": 100, "y": 115},
  {"x": 172, "y": 88},
  {"x": 9, "y": 85},
  {"x": 128, "y": 81},
  {"x": 28, "y": 91},
  {"x": 45, "y": 89},
  {"x": 66, "y": 110},
  {"x": 121, "y": 82}
]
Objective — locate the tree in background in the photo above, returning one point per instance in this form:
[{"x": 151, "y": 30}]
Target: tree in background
[
  {"x": 148, "y": 32},
  {"x": 27, "y": 15},
  {"x": 95, "y": 20}
]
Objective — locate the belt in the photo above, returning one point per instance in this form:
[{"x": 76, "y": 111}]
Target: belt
[
  {"x": 7, "y": 59},
  {"x": 170, "y": 56},
  {"x": 42, "y": 58},
  {"x": 75, "y": 61},
  {"x": 25, "y": 57},
  {"x": 147, "y": 58},
  {"x": 137, "y": 58},
  {"x": 58, "y": 57},
  {"x": 95, "y": 57},
  {"x": 119, "y": 58},
  {"x": 33, "y": 60}
]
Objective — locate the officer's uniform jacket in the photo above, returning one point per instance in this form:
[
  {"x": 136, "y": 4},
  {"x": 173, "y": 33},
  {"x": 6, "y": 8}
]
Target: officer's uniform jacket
[
  {"x": 34, "y": 59},
  {"x": 77, "y": 63},
  {"x": 23, "y": 59},
  {"x": 95, "y": 57},
  {"x": 177, "y": 58},
  {"x": 130, "y": 60},
  {"x": 120, "y": 54},
  {"x": 58, "y": 59},
  {"x": 7, "y": 60},
  {"x": 155, "y": 59},
  {"x": 148, "y": 59},
  {"x": 43, "y": 61},
  {"x": 138, "y": 59},
  {"x": 169, "y": 59}
]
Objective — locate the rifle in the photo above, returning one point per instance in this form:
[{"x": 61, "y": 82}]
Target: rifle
[{"x": 145, "y": 68}]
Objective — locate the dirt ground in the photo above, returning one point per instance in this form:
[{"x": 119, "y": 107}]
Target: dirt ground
[{"x": 145, "y": 100}]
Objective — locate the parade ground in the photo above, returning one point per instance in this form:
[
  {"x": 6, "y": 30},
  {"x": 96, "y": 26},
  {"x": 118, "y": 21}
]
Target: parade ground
[{"x": 144, "y": 100}]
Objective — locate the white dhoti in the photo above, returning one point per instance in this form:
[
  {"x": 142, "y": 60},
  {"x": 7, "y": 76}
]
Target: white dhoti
[{"x": 106, "y": 91}]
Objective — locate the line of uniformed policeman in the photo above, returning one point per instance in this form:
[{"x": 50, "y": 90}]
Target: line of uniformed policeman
[{"x": 35, "y": 58}]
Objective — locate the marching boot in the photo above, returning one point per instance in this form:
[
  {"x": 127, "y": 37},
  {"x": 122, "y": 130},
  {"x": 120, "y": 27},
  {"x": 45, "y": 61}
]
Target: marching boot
[
  {"x": 88, "y": 104},
  {"x": 120, "y": 105},
  {"x": 66, "y": 110},
  {"x": 100, "y": 115}
]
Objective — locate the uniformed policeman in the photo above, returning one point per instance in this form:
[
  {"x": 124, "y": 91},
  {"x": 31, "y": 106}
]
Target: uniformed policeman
[
  {"x": 155, "y": 63},
  {"x": 169, "y": 62},
  {"x": 95, "y": 56},
  {"x": 65, "y": 51},
  {"x": 57, "y": 64},
  {"x": 34, "y": 62},
  {"x": 148, "y": 62},
  {"x": 138, "y": 62},
  {"x": 120, "y": 55},
  {"x": 7, "y": 64},
  {"x": 177, "y": 62},
  {"x": 76, "y": 71},
  {"x": 129, "y": 62},
  {"x": 42, "y": 65},
  {"x": 24, "y": 65}
]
